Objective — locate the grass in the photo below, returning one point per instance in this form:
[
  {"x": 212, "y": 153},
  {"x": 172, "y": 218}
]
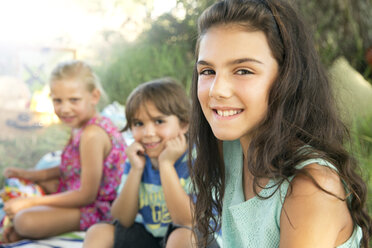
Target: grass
[{"x": 24, "y": 151}]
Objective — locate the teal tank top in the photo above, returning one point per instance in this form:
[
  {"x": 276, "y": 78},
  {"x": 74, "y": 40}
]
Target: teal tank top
[{"x": 255, "y": 223}]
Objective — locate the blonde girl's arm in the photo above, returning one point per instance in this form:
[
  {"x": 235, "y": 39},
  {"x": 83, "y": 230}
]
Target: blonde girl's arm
[
  {"x": 177, "y": 200},
  {"x": 125, "y": 206},
  {"x": 94, "y": 145},
  {"x": 33, "y": 175},
  {"x": 313, "y": 218}
]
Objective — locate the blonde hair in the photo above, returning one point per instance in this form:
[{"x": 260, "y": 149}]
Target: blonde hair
[{"x": 80, "y": 71}]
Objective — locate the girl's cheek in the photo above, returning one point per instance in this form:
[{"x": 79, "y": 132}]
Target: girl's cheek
[{"x": 203, "y": 89}]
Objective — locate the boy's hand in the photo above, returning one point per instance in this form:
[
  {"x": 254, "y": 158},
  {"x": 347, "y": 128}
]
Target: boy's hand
[
  {"x": 136, "y": 156},
  {"x": 174, "y": 148}
]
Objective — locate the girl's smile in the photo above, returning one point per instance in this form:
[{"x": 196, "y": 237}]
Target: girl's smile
[
  {"x": 226, "y": 113},
  {"x": 73, "y": 103},
  {"x": 236, "y": 70}
]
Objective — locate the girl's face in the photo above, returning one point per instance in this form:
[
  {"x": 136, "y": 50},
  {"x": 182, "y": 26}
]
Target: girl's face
[
  {"x": 73, "y": 103},
  {"x": 236, "y": 70},
  {"x": 152, "y": 129}
]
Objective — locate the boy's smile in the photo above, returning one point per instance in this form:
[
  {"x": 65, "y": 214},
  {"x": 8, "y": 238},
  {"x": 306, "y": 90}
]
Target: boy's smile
[{"x": 152, "y": 129}]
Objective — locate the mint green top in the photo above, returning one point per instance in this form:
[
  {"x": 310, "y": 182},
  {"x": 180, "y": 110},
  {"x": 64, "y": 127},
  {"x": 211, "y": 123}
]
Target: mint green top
[{"x": 256, "y": 222}]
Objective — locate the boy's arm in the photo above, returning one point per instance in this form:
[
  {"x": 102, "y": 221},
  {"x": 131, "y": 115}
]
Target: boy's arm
[
  {"x": 125, "y": 206},
  {"x": 177, "y": 200}
]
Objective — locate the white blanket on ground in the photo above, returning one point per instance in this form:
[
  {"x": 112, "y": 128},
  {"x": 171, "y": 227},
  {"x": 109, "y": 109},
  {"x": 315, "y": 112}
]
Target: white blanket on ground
[{"x": 68, "y": 240}]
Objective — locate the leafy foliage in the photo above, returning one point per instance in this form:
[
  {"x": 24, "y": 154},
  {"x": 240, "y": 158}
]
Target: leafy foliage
[
  {"x": 341, "y": 28},
  {"x": 132, "y": 65}
]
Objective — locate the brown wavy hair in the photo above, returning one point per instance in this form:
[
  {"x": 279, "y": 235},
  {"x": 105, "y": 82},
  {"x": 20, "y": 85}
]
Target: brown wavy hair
[
  {"x": 301, "y": 111},
  {"x": 168, "y": 96}
]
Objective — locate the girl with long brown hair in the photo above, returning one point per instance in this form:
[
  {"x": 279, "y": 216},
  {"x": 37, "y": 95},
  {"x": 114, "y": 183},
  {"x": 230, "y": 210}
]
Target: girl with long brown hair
[{"x": 270, "y": 144}]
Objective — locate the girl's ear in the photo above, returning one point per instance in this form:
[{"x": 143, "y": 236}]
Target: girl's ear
[{"x": 96, "y": 95}]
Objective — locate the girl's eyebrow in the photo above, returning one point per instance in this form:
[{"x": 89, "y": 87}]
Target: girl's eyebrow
[
  {"x": 233, "y": 62},
  {"x": 203, "y": 62},
  {"x": 243, "y": 60}
]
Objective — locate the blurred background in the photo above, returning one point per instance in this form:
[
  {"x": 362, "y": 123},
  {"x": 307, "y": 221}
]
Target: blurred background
[{"x": 128, "y": 42}]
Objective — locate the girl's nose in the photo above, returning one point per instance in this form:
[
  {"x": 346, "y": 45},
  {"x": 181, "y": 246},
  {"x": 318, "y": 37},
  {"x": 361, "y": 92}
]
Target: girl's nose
[
  {"x": 65, "y": 107},
  {"x": 220, "y": 87}
]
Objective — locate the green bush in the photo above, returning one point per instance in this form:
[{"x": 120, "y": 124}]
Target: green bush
[
  {"x": 361, "y": 134},
  {"x": 131, "y": 65}
]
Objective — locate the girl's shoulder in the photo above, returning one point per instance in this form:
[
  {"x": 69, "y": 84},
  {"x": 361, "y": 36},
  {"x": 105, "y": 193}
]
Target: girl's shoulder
[
  {"x": 316, "y": 201},
  {"x": 314, "y": 177}
]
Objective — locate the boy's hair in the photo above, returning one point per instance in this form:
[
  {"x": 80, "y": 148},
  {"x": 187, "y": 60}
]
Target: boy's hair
[
  {"x": 168, "y": 96},
  {"x": 79, "y": 71},
  {"x": 301, "y": 112}
]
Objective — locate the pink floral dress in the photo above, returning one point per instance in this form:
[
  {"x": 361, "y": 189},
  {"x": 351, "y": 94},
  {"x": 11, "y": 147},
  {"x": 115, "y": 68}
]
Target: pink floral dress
[{"x": 113, "y": 166}]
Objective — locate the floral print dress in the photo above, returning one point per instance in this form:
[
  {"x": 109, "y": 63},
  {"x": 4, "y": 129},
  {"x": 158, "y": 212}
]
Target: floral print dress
[{"x": 113, "y": 166}]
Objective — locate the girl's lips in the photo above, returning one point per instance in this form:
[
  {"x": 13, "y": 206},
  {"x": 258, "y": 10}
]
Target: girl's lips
[{"x": 67, "y": 119}]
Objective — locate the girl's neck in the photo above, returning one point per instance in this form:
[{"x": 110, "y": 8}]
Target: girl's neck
[
  {"x": 248, "y": 178},
  {"x": 244, "y": 142},
  {"x": 74, "y": 130}
]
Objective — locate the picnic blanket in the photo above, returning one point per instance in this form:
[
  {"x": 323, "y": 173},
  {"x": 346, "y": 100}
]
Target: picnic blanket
[{"x": 68, "y": 240}]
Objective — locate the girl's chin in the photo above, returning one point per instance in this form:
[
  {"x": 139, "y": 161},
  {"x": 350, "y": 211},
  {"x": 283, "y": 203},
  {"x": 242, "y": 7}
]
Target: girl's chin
[{"x": 225, "y": 136}]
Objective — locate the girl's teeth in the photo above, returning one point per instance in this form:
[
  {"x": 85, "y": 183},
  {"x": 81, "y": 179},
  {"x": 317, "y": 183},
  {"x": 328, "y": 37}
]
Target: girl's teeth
[{"x": 228, "y": 112}]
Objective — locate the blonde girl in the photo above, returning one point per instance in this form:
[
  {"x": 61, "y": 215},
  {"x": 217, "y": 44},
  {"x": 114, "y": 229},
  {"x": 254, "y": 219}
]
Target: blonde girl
[
  {"x": 83, "y": 187},
  {"x": 270, "y": 154}
]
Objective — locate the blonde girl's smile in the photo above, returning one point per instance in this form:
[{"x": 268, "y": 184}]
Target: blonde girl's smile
[{"x": 73, "y": 103}]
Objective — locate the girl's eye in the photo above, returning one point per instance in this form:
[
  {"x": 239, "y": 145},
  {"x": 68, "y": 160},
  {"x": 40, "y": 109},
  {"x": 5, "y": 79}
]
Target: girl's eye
[
  {"x": 74, "y": 99},
  {"x": 159, "y": 121},
  {"x": 56, "y": 101},
  {"x": 207, "y": 72},
  {"x": 243, "y": 72}
]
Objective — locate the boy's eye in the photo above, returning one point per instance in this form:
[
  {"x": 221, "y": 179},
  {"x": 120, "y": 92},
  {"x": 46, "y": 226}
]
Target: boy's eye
[
  {"x": 243, "y": 72},
  {"x": 137, "y": 124},
  {"x": 74, "y": 99},
  {"x": 55, "y": 101},
  {"x": 207, "y": 72},
  {"x": 159, "y": 121}
]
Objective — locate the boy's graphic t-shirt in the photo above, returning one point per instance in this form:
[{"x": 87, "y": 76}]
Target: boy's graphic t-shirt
[{"x": 153, "y": 212}]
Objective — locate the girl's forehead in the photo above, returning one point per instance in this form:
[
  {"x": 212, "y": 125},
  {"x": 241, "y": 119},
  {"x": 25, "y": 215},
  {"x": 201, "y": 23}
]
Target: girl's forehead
[
  {"x": 68, "y": 83},
  {"x": 67, "y": 86}
]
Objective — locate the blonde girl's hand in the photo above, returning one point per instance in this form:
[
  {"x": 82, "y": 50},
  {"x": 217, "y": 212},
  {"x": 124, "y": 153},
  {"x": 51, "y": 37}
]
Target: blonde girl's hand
[
  {"x": 13, "y": 206},
  {"x": 174, "y": 148},
  {"x": 15, "y": 172},
  {"x": 136, "y": 156}
]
